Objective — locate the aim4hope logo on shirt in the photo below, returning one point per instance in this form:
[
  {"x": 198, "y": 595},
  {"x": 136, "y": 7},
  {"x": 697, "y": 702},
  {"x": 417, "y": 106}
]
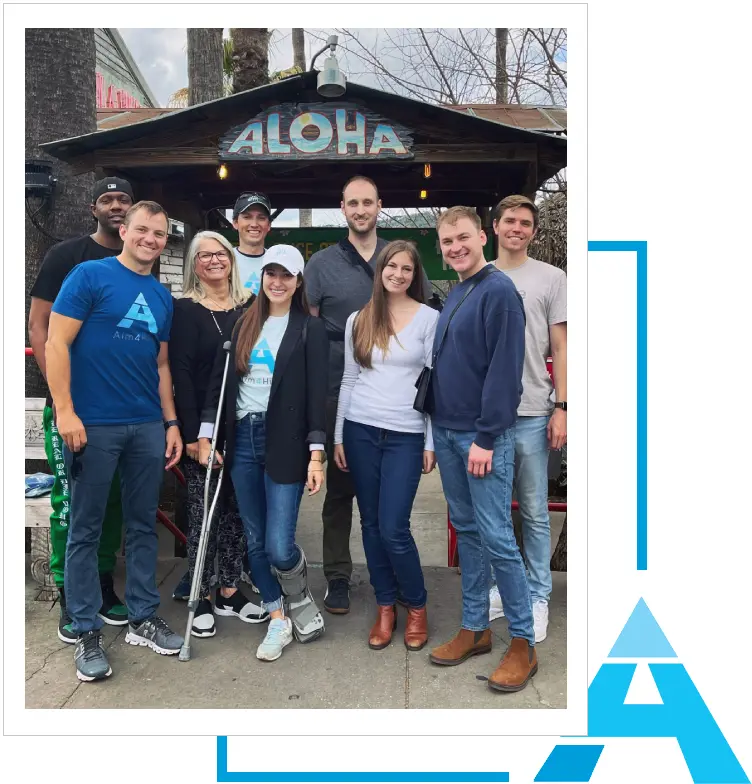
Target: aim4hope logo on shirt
[
  {"x": 262, "y": 355},
  {"x": 253, "y": 283},
  {"x": 138, "y": 311}
]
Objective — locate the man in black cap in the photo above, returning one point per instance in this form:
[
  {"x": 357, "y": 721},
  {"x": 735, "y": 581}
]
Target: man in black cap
[
  {"x": 251, "y": 217},
  {"x": 111, "y": 199}
]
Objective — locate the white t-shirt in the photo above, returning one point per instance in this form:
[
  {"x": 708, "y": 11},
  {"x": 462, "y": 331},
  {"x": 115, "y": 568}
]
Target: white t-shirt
[
  {"x": 249, "y": 269},
  {"x": 254, "y": 387},
  {"x": 543, "y": 289}
]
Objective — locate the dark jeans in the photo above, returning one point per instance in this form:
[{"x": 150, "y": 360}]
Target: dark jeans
[
  {"x": 269, "y": 510},
  {"x": 338, "y": 507},
  {"x": 137, "y": 451},
  {"x": 386, "y": 468}
]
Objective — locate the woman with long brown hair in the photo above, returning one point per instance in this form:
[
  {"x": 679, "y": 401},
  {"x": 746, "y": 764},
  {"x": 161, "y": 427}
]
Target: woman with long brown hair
[
  {"x": 382, "y": 440},
  {"x": 275, "y": 411}
]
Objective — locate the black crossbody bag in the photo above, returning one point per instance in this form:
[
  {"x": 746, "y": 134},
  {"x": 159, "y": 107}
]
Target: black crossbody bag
[{"x": 423, "y": 397}]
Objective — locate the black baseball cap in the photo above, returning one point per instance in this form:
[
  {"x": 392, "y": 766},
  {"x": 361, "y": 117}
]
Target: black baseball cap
[
  {"x": 246, "y": 200},
  {"x": 111, "y": 185}
]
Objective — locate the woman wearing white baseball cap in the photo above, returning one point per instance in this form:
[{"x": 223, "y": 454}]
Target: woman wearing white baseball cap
[{"x": 275, "y": 410}]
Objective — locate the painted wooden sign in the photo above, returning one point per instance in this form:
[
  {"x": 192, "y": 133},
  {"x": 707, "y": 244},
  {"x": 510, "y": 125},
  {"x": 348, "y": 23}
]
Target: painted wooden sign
[{"x": 332, "y": 131}]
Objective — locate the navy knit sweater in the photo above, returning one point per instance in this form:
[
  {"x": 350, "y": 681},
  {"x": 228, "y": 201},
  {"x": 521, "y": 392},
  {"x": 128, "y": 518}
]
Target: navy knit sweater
[{"x": 477, "y": 381}]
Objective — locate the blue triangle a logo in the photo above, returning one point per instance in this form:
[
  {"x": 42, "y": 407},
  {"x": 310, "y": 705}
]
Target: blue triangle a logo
[{"x": 642, "y": 637}]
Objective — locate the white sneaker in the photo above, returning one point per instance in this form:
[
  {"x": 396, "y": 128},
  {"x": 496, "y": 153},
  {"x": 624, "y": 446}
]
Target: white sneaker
[
  {"x": 277, "y": 637},
  {"x": 540, "y": 620},
  {"x": 203, "y": 620},
  {"x": 496, "y": 609}
]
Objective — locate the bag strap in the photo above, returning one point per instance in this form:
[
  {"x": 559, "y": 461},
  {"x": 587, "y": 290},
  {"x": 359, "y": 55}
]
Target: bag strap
[
  {"x": 479, "y": 277},
  {"x": 351, "y": 251}
]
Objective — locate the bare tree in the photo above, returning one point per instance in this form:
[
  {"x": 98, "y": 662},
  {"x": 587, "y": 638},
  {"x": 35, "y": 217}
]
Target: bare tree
[
  {"x": 298, "y": 57},
  {"x": 459, "y": 65},
  {"x": 60, "y": 103},
  {"x": 250, "y": 57},
  {"x": 205, "y": 59},
  {"x": 502, "y": 79}
]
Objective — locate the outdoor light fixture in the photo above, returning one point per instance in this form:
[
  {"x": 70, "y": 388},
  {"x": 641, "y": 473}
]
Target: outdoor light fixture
[
  {"x": 222, "y": 172},
  {"x": 424, "y": 194},
  {"x": 40, "y": 183},
  {"x": 427, "y": 170},
  {"x": 331, "y": 82}
]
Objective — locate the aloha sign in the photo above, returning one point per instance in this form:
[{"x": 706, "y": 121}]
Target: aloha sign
[{"x": 333, "y": 131}]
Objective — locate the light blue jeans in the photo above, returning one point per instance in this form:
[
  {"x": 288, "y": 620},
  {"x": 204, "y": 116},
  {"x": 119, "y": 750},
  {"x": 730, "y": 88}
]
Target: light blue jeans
[
  {"x": 531, "y": 489},
  {"x": 480, "y": 510}
]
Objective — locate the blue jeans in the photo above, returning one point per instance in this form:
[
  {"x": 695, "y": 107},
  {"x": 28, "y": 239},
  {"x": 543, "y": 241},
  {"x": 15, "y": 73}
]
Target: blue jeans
[
  {"x": 138, "y": 451},
  {"x": 386, "y": 466},
  {"x": 480, "y": 510},
  {"x": 269, "y": 510},
  {"x": 531, "y": 488}
]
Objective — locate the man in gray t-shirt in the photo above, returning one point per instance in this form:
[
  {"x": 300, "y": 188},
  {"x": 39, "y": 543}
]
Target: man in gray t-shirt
[
  {"x": 338, "y": 282},
  {"x": 541, "y": 421}
]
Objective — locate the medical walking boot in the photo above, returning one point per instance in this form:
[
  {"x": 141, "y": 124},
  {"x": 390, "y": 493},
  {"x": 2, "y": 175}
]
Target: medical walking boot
[{"x": 307, "y": 621}]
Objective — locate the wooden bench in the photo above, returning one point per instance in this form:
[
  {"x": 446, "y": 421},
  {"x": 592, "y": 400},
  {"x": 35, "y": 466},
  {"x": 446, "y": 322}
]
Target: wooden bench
[{"x": 38, "y": 510}]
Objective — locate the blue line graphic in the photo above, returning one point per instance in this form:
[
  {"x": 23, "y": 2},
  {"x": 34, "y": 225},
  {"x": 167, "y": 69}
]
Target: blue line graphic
[
  {"x": 223, "y": 775},
  {"x": 641, "y": 249}
]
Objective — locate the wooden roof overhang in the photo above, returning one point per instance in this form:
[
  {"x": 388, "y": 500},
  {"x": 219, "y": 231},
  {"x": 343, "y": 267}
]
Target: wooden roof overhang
[{"x": 173, "y": 158}]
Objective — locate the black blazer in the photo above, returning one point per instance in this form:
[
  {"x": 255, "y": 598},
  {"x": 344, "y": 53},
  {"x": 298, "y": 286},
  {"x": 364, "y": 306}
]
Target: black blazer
[{"x": 296, "y": 416}]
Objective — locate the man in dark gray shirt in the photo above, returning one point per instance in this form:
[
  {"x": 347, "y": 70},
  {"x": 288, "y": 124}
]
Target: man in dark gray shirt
[{"x": 339, "y": 281}]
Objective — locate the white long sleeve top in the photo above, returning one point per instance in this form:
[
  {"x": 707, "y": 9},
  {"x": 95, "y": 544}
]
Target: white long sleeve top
[{"x": 383, "y": 396}]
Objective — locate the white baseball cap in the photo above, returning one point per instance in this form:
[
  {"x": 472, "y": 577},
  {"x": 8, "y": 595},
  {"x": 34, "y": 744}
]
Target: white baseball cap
[{"x": 287, "y": 256}]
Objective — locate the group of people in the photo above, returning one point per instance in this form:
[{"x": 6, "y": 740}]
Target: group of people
[{"x": 323, "y": 361}]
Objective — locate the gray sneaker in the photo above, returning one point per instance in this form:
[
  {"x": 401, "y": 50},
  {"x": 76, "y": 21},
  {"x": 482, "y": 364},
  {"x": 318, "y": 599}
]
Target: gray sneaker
[
  {"x": 90, "y": 658},
  {"x": 156, "y": 634}
]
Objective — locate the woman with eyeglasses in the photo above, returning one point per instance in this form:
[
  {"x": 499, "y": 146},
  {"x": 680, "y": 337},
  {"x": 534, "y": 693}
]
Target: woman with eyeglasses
[{"x": 202, "y": 322}]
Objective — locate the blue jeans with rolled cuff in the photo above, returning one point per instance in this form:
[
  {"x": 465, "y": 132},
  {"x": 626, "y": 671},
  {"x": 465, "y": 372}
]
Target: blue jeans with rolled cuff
[{"x": 269, "y": 510}]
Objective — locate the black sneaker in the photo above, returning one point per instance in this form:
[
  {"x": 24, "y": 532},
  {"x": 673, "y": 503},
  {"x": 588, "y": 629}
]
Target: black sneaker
[
  {"x": 182, "y": 590},
  {"x": 203, "y": 620},
  {"x": 113, "y": 611},
  {"x": 239, "y": 606},
  {"x": 65, "y": 631},
  {"x": 337, "y": 599},
  {"x": 90, "y": 658}
]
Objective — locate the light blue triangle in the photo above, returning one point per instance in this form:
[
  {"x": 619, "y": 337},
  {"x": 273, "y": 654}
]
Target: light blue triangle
[
  {"x": 140, "y": 300},
  {"x": 642, "y": 637}
]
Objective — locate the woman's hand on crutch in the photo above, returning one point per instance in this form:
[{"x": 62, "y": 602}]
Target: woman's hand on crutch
[{"x": 204, "y": 448}]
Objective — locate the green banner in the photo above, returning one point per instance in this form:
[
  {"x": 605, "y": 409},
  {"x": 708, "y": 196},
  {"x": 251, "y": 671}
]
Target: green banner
[{"x": 308, "y": 241}]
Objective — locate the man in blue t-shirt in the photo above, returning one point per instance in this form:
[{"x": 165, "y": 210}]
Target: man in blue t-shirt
[
  {"x": 476, "y": 385},
  {"x": 109, "y": 377}
]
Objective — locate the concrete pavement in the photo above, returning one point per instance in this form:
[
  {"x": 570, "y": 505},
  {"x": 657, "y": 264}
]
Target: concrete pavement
[{"x": 336, "y": 671}]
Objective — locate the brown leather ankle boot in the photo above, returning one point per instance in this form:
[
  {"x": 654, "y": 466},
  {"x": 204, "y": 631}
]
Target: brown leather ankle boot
[
  {"x": 381, "y": 631},
  {"x": 416, "y": 631},
  {"x": 519, "y": 664},
  {"x": 462, "y": 646}
]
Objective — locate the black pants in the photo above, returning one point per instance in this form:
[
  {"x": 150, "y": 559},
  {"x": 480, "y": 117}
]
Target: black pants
[
  {"x": 338, "y": 507},
  {"x": 226, "y": 540}
]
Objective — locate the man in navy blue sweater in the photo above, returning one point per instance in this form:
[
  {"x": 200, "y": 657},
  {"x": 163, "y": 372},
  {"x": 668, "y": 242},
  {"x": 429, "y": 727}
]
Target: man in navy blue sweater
[{"x": 477, "y": 385}]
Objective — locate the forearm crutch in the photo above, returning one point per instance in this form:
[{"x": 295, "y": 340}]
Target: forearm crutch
[{"x": 203, "y": 542}]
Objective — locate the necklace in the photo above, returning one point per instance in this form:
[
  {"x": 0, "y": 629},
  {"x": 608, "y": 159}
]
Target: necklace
[
  {"x": 214, "y": 318},
  {"x": 221, "y": 307}
]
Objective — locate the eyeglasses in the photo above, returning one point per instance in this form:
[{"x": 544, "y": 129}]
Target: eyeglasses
[{"x": 205, "y": 256}]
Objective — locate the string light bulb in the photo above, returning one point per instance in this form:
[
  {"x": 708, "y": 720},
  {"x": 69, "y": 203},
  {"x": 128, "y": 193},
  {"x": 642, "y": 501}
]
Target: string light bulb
[
  {"x": 424, "y": 194},
  {"x": 222, "y": 172},
  {"x": 427, "y": 170}
]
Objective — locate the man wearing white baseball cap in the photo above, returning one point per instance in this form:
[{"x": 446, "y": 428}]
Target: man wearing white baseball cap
[{"x": 275, "y": 428}]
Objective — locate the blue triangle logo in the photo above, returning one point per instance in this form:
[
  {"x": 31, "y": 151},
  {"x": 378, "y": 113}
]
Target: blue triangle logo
[{"x": 642, "y": 638}]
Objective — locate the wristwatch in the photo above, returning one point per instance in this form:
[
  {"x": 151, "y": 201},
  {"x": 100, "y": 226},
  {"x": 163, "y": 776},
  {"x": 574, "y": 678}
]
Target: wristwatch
[
  {"x": 562, "y": 405},
  {"x": 171, "y": 423}
]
